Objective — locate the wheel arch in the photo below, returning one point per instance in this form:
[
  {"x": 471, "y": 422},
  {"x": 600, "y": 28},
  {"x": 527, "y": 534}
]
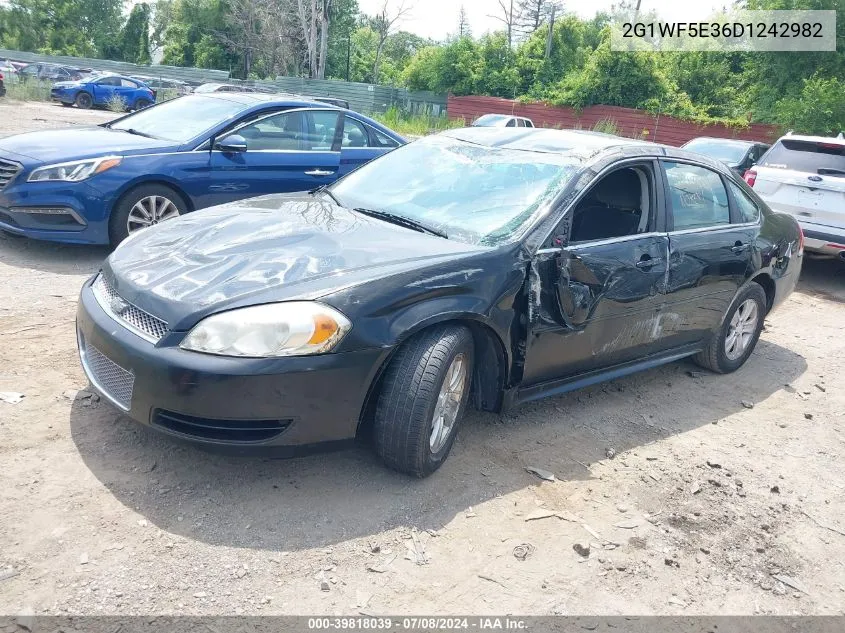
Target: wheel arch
[
  {"x": 490, "y": 373},
  {"x": 765, "y": 280},
  {"x": 156, "y": 179}
]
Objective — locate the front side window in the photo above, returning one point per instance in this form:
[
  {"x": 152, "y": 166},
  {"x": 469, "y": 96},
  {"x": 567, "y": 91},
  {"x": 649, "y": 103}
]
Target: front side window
[
  {"x": 109, "y": 81},
  {"x": 697, "y": 196},
  {"x": 283, "y": 131},
  {"x": 618, "y": 205},
  {"x": 748, "y": 209},
  {"x": 474, "y": 194}
]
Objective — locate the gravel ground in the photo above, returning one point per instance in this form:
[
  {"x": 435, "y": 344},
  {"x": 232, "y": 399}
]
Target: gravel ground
[{"x": 702, "y": 506}]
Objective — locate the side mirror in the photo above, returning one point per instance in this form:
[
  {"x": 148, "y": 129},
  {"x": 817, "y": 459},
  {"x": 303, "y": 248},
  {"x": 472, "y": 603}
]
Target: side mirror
[{"x": 234, "y": 143}]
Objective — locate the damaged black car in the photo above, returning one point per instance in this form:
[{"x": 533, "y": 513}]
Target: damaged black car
[{"x": 481, "y": 267}]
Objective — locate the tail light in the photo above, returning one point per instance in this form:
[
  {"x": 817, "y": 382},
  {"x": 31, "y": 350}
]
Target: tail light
[
  {"x": 1, "y": 76},
  {"x": 800, "y": 241},
  {"x": 750, "y": 176}
]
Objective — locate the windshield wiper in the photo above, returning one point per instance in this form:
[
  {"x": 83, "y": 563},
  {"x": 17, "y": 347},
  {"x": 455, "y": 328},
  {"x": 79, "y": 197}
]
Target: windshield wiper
[
  {"x": 830, "y": 171},
  {"x": 325, "y": 189},
  {"x": 401, "y": 220},
  {"x": 132, "y": 130}
]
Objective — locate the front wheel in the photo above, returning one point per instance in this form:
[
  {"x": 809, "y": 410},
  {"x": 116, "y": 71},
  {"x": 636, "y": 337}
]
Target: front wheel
[
  {"x": 740, "y": 331},
  {"x": 422, "y": 399},
  {"x": 142, "y": 207},
  {"x": 83, "y": 101}
]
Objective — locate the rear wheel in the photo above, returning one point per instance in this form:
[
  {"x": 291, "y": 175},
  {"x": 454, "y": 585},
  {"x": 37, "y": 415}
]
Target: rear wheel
[
  {"x": 422, "y": 400},
  {"x": 140, "y": 104},
  {"x": 142, "y": 207},
  {"x": 739, "y": 333},
  {"x": 84, "y": 101}
]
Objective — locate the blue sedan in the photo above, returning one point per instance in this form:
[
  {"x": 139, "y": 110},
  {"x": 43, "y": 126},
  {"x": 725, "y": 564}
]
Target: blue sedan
[
  {"x": 97, "y": 185},
  {"x": 101, "y": 90}
]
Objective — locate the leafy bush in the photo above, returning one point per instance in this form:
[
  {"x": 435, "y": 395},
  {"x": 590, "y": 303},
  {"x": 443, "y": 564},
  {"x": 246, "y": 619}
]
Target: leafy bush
[
  {"x": 28, "y": 91},
  {"x": 406, "y": 123},
  {"x": 607, "y": 126},
  {"x": 116, "y": 103},
  {"x": 819, "y": 109}
]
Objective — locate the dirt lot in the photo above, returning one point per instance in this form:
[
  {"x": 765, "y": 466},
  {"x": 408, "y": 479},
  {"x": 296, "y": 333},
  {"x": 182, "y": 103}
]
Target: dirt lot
[{"x": 707, "y": 507}]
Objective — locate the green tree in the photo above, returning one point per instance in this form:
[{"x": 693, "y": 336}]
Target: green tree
[
  {"x": 135, "y": 37},
  {"x": 818, "y": 109}
]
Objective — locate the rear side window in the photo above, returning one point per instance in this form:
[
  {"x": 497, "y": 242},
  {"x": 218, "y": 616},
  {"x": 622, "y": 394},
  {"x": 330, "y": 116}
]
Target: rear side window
[
  {"x": 697, "y": 195},
  {"x": 748, "y": 210},
  {"x": 383, "y": 140},
  {"x": 807, "y": 156}
]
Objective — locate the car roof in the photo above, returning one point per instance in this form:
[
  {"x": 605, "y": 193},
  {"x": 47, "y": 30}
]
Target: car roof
[
  {"x": 541, "y": 139},
  {"x": 813, "y": 139},
  {"x": 727, "y": 141},
  {"x": 258, "y": 98}
]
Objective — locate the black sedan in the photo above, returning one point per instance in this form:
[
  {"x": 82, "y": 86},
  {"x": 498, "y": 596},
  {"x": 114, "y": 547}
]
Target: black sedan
[
  {"x": 740, "y": 156},
  {"x": 485, "y": 267}
]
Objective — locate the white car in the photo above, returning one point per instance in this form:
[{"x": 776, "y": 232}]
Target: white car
[
  {"x": 805, "y": 177},
  {"x": 502, "y": 120}
]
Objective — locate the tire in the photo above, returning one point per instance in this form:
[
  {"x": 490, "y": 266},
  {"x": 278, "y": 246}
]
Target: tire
[
  {"x": 83, "y": 101},
  {"x": 119, "y": 222},
  {"x": 716, "y": 356},
  {"x": 140, "y": 104},
  {"x": 411, "y": 393}
]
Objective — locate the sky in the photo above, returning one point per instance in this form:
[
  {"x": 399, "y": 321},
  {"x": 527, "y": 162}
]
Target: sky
[{"x": 438, "y": 18}]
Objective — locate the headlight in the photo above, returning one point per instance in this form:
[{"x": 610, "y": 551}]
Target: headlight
[
  {"x": 74, "y": 171},
  {"x": 294, "y": 328}
]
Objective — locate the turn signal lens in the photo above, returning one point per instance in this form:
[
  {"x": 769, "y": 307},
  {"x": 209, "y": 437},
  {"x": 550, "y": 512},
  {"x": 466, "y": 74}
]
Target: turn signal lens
[{"x": 750, "y": 177}]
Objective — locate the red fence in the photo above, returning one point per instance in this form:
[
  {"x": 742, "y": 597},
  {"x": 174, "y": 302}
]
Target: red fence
[{"x": 633, "y": 123}]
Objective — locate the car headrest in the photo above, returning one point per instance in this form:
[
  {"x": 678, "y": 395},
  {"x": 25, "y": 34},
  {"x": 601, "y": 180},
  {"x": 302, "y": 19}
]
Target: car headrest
[
  {"x": 356, "y": 137},
  {"x": 621, "y": 190}
]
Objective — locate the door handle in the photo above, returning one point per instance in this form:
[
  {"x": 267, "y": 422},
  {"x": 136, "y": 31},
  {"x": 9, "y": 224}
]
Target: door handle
[
  {"x": 319, "y": 172},
  {"x": 647, "y": 261},
  {"x": 739, "y": 247}
]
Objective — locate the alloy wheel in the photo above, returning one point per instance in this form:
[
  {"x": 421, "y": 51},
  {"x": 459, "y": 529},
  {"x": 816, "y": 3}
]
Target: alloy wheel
[
  {"x": 741, "y": 329},
  {"x": 149, "y": 211},
  {"x": 448, "y": 403}
]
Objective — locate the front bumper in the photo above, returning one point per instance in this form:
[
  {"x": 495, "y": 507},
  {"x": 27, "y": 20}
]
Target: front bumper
[
  {"x": 59, "y": 212},
  {"x": 219, "y": 401}
]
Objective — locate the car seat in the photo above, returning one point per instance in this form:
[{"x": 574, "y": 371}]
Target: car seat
[{"x": 611, "y": 209}]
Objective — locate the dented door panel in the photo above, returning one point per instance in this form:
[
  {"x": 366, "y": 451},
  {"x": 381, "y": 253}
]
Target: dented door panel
[
  {"x": 599, "y": 305},
  {"x": 706, "y": 269}
]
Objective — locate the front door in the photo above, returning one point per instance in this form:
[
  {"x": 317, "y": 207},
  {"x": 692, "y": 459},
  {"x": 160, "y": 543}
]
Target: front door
[
  {"x": 710, "y": 251},
  {"x": 286, "y": 152},
  {"x": 600, "y": 293}
]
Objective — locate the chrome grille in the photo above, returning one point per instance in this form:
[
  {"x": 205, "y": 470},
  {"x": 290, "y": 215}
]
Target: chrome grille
[
  {"x": 8, "y": 170},
  {"x": 110, "y": 378},
  {"x": 142, "y": 323}
]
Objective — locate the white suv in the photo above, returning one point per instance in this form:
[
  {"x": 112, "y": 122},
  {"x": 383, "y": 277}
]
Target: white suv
[{"x": 805, "y": 177}]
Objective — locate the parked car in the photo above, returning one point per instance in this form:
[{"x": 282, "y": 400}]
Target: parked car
[
  {"x": 502, "y": 120},
  {"x": 805, "y": 177},
  {"x": 218, "y": 87},
  {"x": 516, "y": 265},
  {"x": 97, "y": 185},
  {"x": 50, "y": 72},
  {"x": 736, "y": 154},
  {"x": 9, "y": 70},
  {"x": 159, "y": 83},
  {"x": 100, "y": 90}
]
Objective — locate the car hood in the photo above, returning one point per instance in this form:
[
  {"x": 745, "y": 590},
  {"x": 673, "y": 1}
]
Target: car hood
[
  {"x": 272, "y": 248},
  {"x": 86, "y": 142},
  {"x": 67, "y": 84}
]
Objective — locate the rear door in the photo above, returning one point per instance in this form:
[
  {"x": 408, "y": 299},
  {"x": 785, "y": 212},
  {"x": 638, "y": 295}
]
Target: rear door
[
  {"x": 805, "y": 178},
  {"x": 105, "y": 89},
  {"x": 360, "y": 144},
  {"x": 289, "y": 151},
  {"x": 710, "y": 250}
]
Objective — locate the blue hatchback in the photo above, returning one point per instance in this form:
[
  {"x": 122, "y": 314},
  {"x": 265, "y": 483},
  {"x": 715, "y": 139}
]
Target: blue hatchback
[
  {"x": 97, "y": 185},
  {"x": 101, "y": 90}
]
